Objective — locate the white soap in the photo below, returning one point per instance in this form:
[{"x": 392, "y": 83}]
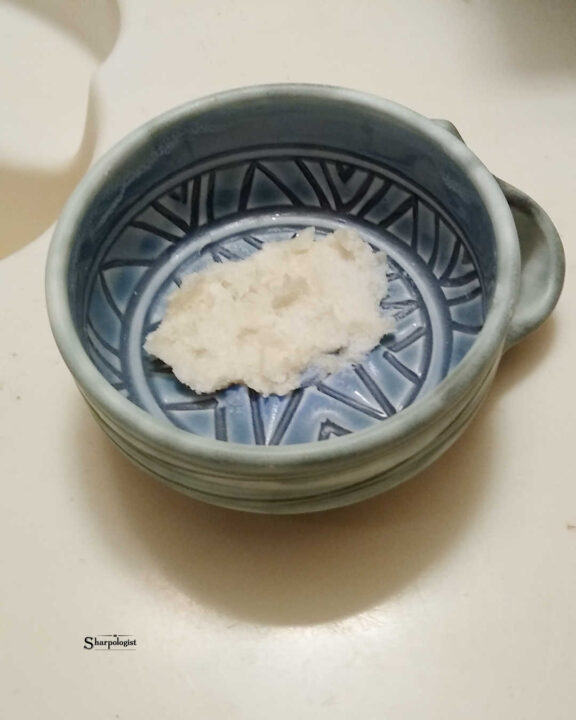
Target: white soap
[{"x": 305, "y": 304}]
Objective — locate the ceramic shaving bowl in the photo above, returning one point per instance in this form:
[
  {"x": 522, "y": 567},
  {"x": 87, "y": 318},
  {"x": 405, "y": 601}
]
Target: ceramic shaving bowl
[{"x": 473, "y": 266}]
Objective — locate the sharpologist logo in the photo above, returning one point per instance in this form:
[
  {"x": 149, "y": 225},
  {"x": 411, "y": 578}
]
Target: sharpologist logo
[{"x": 110, "y": 642}]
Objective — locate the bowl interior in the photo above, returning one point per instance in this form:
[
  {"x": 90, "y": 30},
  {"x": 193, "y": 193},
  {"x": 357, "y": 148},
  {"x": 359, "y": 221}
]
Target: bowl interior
[{"x": 201, "y": 190}]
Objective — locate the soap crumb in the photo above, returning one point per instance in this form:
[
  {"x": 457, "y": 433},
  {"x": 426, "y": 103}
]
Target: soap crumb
[{"x": 304, "y": 304}]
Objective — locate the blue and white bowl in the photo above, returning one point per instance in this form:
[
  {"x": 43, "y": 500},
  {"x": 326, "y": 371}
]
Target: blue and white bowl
[{"x": 213, "y": 181}]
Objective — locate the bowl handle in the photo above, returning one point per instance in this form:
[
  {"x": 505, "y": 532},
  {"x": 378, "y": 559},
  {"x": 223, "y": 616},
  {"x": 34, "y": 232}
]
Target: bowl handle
[
  {"x": 542, "y": 259},
  {"x": 542, "y": 264}
]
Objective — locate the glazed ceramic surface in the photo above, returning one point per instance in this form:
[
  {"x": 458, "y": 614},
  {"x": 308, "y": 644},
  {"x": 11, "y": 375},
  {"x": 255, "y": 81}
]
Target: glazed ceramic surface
[
  {"x": 226, "y": 209},
  {"x": 214, "y": 181}
]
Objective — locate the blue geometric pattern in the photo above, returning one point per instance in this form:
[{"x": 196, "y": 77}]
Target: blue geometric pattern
[{"x": 227, "y": 209}]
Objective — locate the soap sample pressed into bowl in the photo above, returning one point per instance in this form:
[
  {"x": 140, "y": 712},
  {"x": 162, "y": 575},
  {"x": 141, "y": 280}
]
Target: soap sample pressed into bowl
[{"x": 214, "y": 181}]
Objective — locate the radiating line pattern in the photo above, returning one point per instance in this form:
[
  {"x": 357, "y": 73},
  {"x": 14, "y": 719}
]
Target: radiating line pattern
[{"x": 229, "y": 210}]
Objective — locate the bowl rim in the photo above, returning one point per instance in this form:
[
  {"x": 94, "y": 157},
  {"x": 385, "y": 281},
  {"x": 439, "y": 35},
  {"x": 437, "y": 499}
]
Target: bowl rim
[{"x": 166, "y": 437}]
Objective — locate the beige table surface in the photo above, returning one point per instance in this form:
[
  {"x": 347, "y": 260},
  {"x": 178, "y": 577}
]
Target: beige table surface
[{"x": 452, "y": 597}]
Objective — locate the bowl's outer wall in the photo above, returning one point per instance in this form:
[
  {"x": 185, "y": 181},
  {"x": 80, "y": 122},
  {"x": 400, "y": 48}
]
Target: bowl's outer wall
[{"x": 268, "y": 489}]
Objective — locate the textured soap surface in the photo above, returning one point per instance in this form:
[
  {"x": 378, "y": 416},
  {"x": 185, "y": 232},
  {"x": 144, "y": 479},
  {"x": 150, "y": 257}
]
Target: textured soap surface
[{"x": 308, "y": 304}]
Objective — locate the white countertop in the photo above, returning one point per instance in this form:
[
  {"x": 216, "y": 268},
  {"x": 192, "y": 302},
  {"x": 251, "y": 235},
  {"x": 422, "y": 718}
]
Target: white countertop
[{"x": 451, "y": 597}]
